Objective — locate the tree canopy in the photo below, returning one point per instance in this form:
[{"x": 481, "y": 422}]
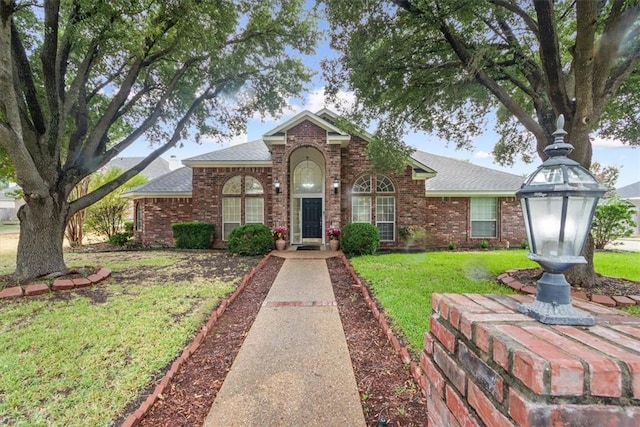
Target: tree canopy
[
  {"x": 82, "y": 80},
  {"x": 446, "y": 66}
]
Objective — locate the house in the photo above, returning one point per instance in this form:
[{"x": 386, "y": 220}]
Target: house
[
  {"x": 631, "y": 193},
  {"x": 9, "y": 205},
  {"x": 308, "y": 175}
]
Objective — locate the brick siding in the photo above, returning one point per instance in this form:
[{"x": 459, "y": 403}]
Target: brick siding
[
  {"x": 158, "y": 215},
  {"x": 485, "y": 364}
]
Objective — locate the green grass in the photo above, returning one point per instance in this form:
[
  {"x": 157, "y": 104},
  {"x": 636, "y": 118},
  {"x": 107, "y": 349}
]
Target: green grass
[
  {"x": 9, "y": 227},
  {"x": 77, "y": 359},
  {"x": 403, "y": 283}
]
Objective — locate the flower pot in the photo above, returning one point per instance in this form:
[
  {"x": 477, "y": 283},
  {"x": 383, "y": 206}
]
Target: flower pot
[
  {"x": 334, "y": 244},
  {"x": 281, "y": 244}
]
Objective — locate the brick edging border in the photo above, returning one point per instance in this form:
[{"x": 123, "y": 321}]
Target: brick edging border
[
  {"x": 135, "y": 418},
  {"x": 400, "y": 350},
  {"x": 40, "y": 288},
  {"x": 507, "y": 279}
]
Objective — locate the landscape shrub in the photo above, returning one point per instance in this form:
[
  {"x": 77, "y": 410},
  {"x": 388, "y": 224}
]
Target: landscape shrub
[
  {"x": 250, "y": 239},
  {"x": 119, "y": 239},
  {"x": 359, "y": 239},
  {"x": 193, "y": 234},
  {"x": 128, "y": 228}
]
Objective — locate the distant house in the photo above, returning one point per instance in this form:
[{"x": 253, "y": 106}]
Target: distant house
[
  {"x": 631, "y": 193},
  {"x": 308, "y": 175},
  {"x": 8, "y": 204}
]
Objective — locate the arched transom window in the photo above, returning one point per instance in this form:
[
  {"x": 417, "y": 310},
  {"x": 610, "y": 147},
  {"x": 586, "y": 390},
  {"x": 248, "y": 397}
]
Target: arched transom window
[
  {"x": 242, "y": 203},
  {"x": 307, "y": 178},
  {"x": 374, "y": 201}
]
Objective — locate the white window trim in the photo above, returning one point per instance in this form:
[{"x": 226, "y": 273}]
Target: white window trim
[{"x": 472, "y": 219}]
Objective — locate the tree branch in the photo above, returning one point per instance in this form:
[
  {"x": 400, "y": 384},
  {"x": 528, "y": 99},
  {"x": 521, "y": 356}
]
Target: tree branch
[{"x": 550, "y": 56}]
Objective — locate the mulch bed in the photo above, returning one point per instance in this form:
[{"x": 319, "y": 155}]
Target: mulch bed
[
  {"x": 387, "y": 390},
  {"x": 386, "y": 387}
]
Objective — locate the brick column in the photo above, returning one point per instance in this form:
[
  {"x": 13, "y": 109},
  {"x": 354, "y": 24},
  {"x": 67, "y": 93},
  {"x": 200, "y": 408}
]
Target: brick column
[
  {"x": 280, "y": 171},
  {"x": 485, "y": 364}
]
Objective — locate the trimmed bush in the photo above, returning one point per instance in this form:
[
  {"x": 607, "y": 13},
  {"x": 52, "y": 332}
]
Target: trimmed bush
[
  {"x": 250, "y": 239},
  {"x": 128, "y": 228},
  {"x": 193, "y": 234},
  {"x": 119, "y": 239},
  {"x": 359, "y": 239}
]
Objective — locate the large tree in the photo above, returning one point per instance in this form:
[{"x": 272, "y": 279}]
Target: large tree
[
  {"x": 82, "y": 80},
  {"x": 446, "y": 66}
]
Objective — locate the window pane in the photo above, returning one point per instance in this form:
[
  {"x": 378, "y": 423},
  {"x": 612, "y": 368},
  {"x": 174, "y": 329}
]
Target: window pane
[
  {"x": 362, "y": 184},
  {"x": 232, "y": 186},
  {"x": 252, "y": 186},
  {"x": 484, "y": 212},
  {"x": 361, "y": 209},
  {"x": 307, "y": 178},
  {"x": 254, "y": 210},
  {"x": 384, "y": 184},
  {"x": 385, "y": 209},
  {"x": 230, "y": 215},
  {"x": 386, "y": 217},
  {"x": 483, "y": 229},
  {"x": 139, "y": 216},
  {"x": 386, "y": 230}
]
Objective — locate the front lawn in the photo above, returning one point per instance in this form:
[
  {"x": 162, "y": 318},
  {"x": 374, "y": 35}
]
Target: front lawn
[
  {"x": 76, "y": 358},
  {"x": 403, "y": 283}
]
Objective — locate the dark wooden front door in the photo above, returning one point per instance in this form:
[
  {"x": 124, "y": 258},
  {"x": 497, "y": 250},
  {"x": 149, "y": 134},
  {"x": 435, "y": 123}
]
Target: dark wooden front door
[{"x": 311, "y": 218}]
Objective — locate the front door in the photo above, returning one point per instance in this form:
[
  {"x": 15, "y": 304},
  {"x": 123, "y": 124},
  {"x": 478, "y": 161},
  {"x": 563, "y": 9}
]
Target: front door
[{"x": 312, "y": 218}]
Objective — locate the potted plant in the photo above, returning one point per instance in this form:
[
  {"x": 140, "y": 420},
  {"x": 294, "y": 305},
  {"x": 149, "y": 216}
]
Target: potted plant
[
  {"x": 334, "y": 238},
  {"x": 279, "y": 234}
]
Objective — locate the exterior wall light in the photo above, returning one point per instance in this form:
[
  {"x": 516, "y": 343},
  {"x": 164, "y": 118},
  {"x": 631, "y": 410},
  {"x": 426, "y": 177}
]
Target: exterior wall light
[
  {"x": 558, "y": 202},
  {"x": 276, "y": 184},
  {"x": 336, "y": 185}
]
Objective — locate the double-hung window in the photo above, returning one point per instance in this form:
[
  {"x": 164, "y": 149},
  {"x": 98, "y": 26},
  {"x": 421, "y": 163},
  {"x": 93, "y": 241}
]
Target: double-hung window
[
  {"x": 484, "y": 217},
  {"x": 377, "y": 201},
  {"x": 242, "y": 197}
]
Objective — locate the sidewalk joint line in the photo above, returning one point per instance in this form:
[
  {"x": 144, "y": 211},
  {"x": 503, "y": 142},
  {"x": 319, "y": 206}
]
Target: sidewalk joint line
[{"x": 299, "y": 304}]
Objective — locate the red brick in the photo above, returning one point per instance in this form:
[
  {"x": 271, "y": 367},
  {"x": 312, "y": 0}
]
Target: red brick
[
  {"x": 468, "y": 320},
  {"x": 483, "y": 337},
  {"x": 616, "y": 337},
  {"x": 635, "y": 298},
  {"x": 603, "y": 299},
  {"x": 481, "y": 373},
  {"x": 633, "y": 330},
  {"x": 579, "y": 295},
  {"x": 531, "y": 290},
  {"x": 505, "y": 278},
  {"x": 81, "y": 282},
  {"x": 630, "y": 359},
  {"x": 438, "y": 412},
  {"x": 451, "y": 370},
  {"x": 62, "y": 284},
  {"x": 527, "y": 414},
  {"x": 36, "y": 289},
  {"x": 104, "y": 272},
  {"x": 530, "y": 369},
  {"x": 435, "y": 302},
  {"x": 12, "y": 292},
  {"x": 95, "y": 278},
  {"x": 491, "y": 304},
  {"x": 443, "y": 335},
  {"x": 433, "y": 374},
  {"x": 516, "y": 285},
  {"x": 404, "y": 354},
  {"x": 459, "y": 409},
  {"x": 596, "y": 415},
  {"x": 623, "y": 301},
  {"x": 501, "y": 351},
  {"x": 593, "y": 308},
  {"x": 428, "y": 343},
  {"x": 567, "y": 372},
  {"x": 487, "y": 412},
  {"x": 605, "y": 377}
]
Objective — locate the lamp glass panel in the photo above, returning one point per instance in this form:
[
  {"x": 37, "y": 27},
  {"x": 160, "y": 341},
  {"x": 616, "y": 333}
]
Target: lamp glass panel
[
  {"x": 578, "y": 223},
  {"x": 548, "y": 175},
  {"x": 579, "y": 175},
  {"x": 545, "y": 215}
]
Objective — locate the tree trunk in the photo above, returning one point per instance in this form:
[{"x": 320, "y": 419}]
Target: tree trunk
[
  {"x": 583, "y": 275},
  {"x": 42, "y": 225}
]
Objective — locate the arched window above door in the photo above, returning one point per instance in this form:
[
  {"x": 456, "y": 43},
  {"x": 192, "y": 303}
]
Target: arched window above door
[{"x": 307, "y": 178}]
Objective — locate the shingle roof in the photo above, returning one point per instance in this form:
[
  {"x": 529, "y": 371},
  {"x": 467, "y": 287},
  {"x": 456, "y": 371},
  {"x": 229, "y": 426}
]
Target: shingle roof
[
  {"x": 248, "y": 152},
  {"x": 177, "y": 181},
  {"x": 631, "y": 191},
  {"x": 155, "y": 169},
  {"x": 457, "y": 176}
]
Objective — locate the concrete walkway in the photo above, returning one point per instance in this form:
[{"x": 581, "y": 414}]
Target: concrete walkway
[{"x": 294, "y": 367}]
